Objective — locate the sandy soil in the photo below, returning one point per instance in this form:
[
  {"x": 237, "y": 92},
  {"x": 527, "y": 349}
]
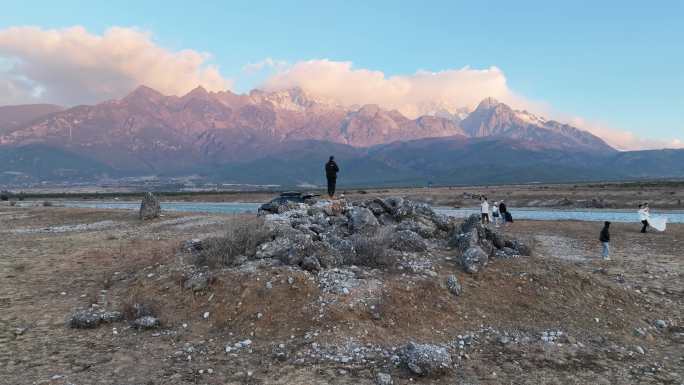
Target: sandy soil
[{"x": 45, "y": 275}]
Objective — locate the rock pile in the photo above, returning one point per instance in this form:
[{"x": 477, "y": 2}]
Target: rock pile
[
  {"x": 149, "y": 207},
  {"x": 425, "y": 359},
  {"x": 476, "y": 244},
  {"x": 330, "y": 234},
  {"x": 92, "y": 317}
]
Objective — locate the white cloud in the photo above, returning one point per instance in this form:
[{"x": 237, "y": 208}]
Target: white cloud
[
  {"x": 413, "y": 95},
  {"x": 71, "y": 65},
  {"x": 623, "y": 140}
]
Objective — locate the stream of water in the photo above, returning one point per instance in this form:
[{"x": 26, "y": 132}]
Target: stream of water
[{"x": 594, "y": 215}]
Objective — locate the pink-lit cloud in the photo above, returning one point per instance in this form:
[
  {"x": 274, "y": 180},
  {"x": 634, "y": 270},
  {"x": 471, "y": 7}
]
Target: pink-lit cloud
[{"x": 72, "y": 65}]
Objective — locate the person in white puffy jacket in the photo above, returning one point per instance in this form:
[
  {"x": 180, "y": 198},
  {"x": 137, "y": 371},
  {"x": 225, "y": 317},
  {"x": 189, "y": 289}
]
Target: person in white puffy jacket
[{"x": 484, "y": 209}]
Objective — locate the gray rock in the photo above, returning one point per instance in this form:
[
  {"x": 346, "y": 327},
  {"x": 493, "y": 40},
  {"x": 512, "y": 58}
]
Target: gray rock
[
  {"x": 474, "y": 259},
  {"x": 453, "y": 285},
  {"x": 393, "y": 206},
  {"x": 92, "y": 318},
  {"x": 149, "y": 207},
  {"x": 199, "y": 281},
  {"x": 192, "y": 245},
  {"x": 426, "y": 359},
  {"x": 407, "y": 240},
  {"x": 277, "y": 248},
  {"x": 85, "y": 319},
  {"x": 383, "y": 379},
  {"x": 661, "y": 324},
  {"x": 424, "y": 227},
  {"x": 506, "y": 253},
  {"x": 311, "y": 263},
  {"x": 146, "y": 322},
  {"x": 362, "y": 219},
  {"x": 111, "y": 316}
]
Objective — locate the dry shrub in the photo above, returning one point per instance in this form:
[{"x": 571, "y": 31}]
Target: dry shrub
[
  {"x": 47, "y": 204},
  {"x": 139, "y": 304},
  {"x": 372, "y": 249},
  {"x": 106, "y": 279},
  {"x": 243, "y": 236}
]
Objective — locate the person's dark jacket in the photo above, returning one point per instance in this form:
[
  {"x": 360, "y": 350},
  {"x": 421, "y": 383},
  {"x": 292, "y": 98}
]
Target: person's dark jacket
[
  {"x": 605, "y": 235},
  {"x": 331, "y": 169},
  {"x": 502, "y": 208}
]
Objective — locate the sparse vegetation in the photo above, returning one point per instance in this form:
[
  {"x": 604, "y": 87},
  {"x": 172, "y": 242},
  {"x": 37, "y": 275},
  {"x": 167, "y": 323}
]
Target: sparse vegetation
[
  {"x": 139, "y": 303},
  {"x": 372, "y": 249},
  {"x": 241, "y": 238},
  {"x": 47, "y": 204}
]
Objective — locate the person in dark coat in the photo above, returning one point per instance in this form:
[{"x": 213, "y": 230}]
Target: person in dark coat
[
  {"x": 604, "y": 237},
  {"x": 331, "y": 170},
  {"x": 503, "y": 211}
]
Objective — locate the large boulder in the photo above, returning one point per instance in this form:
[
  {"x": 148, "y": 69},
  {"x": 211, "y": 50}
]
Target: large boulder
[
  {"x": 149, "y": 207},
  {"x": 362, "y": 219},
  {"x": 426, "y": 359},
  {"x": 474, "y": 259}
]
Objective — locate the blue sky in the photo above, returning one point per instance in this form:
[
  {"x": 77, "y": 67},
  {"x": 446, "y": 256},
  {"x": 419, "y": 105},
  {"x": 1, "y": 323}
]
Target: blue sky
[{"x": 620, "y": 63}]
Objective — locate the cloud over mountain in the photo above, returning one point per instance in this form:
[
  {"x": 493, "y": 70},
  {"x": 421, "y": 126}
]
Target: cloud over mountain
[
  {"x": 72, "y": 65},
  {"x": 413, "y": 95}
]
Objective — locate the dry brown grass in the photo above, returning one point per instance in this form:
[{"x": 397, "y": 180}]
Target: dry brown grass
[
  {"x": 242, "y": 237},
  {"x": 371, "y": 249},
  {"x": 141, "y": 302}
]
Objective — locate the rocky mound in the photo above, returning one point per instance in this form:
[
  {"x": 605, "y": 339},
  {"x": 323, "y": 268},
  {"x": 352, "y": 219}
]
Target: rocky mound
[
  {"x": 477, "y": 243},
  {"x": 330, "y": 234}
]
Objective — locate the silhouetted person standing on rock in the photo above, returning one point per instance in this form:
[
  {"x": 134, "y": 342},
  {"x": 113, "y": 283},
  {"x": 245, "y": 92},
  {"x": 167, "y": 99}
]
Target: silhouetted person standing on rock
[{"x": 331, "y": 171}]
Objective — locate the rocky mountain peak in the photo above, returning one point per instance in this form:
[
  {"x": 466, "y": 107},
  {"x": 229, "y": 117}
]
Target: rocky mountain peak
[
  {"x": 143, "y": 93},
  {"x": 488, "y": 103},
  {"x": 198, "y": 92}
]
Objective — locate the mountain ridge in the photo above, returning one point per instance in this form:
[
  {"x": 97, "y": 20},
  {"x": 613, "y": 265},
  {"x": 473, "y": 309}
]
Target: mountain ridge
[{"x": 283, "y": 135}]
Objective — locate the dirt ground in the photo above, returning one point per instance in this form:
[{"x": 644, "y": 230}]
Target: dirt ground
[{"x": 55, "y": 260}]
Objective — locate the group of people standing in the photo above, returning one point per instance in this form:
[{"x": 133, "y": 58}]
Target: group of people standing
[
  {"x": 500, "y": 213},
  {"x": 644, "y": 213}
]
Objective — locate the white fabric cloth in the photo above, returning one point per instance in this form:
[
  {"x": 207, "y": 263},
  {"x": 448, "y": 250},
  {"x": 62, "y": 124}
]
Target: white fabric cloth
[
  {"x": 658, "y": 223},
  {"x": 485, "y": 207},
  {"x": 495, "y": 208},
  {"x": 643, "y": 215}
]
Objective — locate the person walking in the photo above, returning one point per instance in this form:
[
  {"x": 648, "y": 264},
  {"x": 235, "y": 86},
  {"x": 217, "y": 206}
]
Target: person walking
[
  {"x": 604, "y": 237},
  {"x": 495, "y": 214},
  {"x": 484, "y": 209},
  {"x": 503, "y": 212},
  {"x": 331, "y": 170},
  {"x": 644, "y": 216}
]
